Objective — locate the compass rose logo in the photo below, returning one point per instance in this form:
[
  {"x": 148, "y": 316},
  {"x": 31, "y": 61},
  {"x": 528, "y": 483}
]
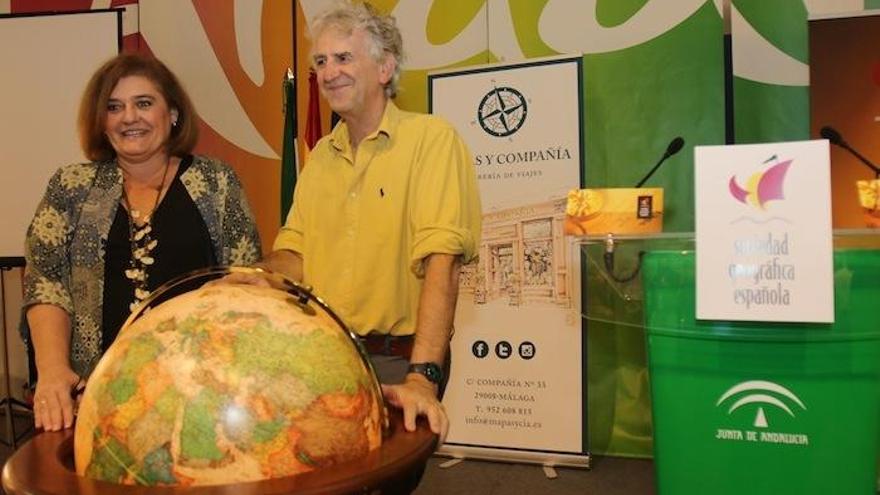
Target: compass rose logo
[{"x": 502, "y": 111}]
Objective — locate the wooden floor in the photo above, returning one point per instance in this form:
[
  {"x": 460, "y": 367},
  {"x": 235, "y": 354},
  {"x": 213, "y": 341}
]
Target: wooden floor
[{"x": 608, "y": 476}]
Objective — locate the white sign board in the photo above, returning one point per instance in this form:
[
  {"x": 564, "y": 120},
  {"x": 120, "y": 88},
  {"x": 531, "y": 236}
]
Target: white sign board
[
  {"x": 763, "y": 227},
  {"x": 47, "y": 59},
  {"x": 516, "y": 378}
]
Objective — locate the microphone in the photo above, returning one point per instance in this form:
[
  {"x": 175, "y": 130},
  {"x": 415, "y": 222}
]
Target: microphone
[
  {"x": 674, "y": 147},
  {"x": 836, "y": 139}
]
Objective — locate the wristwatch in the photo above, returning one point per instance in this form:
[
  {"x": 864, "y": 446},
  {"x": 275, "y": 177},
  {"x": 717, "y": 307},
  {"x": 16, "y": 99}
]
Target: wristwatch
[{"x": 432, "y": 371}]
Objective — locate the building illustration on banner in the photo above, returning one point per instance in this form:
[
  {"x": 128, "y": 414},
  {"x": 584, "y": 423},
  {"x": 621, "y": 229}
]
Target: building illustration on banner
[{"x": 523, "y": 258}]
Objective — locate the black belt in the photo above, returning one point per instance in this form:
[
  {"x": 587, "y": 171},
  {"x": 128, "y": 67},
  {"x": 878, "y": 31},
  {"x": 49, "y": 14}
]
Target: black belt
[{"x": 388, "y": 345}]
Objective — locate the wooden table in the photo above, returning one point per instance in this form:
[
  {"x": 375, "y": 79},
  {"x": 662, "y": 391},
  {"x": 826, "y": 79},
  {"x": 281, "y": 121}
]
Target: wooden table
[{"x": 45, "y": 465}]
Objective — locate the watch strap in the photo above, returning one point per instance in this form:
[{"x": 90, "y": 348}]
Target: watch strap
[{"x": 432, "y": 371}]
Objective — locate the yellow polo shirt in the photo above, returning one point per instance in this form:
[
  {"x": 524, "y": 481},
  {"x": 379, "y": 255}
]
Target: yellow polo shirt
[{"x": 364, "y": 223}]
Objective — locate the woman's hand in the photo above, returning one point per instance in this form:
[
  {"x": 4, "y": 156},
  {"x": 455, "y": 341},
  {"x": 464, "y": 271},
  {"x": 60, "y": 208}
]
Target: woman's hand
[
  {"x": 53, "y": 400},
  {"x": 50, "y": 332}
]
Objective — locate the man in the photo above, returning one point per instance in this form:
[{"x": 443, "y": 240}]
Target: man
[{"x": 384, "y": 214}]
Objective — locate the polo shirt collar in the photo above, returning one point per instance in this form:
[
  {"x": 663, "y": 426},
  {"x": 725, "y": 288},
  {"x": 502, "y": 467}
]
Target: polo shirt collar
[{"x": 387, "y": 126}]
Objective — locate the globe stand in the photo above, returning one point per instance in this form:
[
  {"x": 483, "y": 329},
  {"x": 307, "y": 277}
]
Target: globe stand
[
  {"x": 45, "y": 464},
  {"x": 9, "y": 404}
]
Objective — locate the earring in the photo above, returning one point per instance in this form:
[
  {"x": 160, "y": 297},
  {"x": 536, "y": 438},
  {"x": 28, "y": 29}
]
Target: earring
[{"x": 173, "y": 123}]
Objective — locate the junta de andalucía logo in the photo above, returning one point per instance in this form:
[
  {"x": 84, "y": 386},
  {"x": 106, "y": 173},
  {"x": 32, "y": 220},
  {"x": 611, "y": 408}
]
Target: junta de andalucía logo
[{"x": 760, "y": 395}]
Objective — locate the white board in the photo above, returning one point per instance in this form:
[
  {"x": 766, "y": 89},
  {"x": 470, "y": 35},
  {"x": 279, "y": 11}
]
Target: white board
[{"x": 46, "y": 62}]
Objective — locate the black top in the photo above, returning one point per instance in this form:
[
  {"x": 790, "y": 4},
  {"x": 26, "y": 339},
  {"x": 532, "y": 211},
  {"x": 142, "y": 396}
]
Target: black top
[{"x": 183, "y": 244}]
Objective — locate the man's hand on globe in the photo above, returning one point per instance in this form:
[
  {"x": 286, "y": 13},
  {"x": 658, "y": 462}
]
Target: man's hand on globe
[
  {"x": 418, "y": 397},
  {"x": 257, "y": 275},
  {"x": 256, "y": 278},
  {"x": 53, "y": 404}
]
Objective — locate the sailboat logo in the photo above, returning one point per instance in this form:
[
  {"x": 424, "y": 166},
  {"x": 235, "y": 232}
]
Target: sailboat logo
[
  {"x": 762, "y": 187},
  {"x": 764, "y": 394}
]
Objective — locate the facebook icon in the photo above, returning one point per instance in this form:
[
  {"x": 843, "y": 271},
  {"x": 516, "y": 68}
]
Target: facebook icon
[{"x": 480, "y": 349}]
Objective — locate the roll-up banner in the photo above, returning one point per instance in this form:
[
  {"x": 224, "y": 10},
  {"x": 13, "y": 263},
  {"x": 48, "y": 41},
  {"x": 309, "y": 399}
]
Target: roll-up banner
[{"x": 517, "y": 388}]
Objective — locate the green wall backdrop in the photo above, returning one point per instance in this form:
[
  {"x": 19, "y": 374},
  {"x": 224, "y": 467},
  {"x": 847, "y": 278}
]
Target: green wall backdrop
[{"x": 764, "y": 111}]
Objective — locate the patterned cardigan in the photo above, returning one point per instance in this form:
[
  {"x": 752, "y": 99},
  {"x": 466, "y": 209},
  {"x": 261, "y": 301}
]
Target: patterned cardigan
[{"x": 66, "y": 241}]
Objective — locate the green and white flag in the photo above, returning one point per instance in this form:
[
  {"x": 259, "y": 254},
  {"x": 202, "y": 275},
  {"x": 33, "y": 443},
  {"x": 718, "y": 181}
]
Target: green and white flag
[{"x": 289, "y": 161}]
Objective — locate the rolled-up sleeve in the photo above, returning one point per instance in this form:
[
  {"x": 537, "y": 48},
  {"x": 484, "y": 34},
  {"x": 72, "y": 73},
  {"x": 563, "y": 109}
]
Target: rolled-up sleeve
[
  {"x": 446, "y": 215},
  {"x": 290, "y": 236}
]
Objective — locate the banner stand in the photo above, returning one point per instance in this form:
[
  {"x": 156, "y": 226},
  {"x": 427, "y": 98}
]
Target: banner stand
[
  {"x": 517, "y": 386},
  {"x": 465, "y": 452}
]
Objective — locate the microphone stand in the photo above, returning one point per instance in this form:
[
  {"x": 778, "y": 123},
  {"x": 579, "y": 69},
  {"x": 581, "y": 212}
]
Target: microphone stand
[
  {"x": 674, "y": 147},
  {"x": 645, "y": 178},
  {"x": 834, "y": 137},
  {"x": 861, "y": 158}
]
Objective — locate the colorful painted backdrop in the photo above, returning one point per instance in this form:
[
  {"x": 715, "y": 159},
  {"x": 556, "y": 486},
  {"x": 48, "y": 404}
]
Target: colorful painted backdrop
[{"x": 653, "y": 70}]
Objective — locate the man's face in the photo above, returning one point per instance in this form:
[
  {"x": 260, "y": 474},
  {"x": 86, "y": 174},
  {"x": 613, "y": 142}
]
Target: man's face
[{"x": 348, "y": 76}]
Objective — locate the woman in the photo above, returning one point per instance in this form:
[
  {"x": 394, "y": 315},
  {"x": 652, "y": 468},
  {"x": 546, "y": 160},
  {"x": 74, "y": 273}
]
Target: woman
[{"x": 109, "y": 232}]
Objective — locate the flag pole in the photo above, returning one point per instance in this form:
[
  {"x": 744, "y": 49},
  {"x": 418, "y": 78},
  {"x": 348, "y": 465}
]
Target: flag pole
[{"x": 289, "y": 168}]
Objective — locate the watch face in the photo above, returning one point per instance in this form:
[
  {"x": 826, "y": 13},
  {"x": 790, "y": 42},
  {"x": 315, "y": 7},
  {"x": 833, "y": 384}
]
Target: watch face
[{"x": 431, "y": 371}]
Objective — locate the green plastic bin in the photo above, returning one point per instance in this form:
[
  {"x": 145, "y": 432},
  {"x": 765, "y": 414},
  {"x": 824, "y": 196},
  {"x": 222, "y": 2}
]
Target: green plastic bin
[{"x": 764, "y": 408}]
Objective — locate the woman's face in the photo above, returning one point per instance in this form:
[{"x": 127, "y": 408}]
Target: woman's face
[{"x": 138, "y": 119}]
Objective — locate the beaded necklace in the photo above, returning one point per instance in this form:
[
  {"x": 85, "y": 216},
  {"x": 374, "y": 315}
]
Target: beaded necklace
[{"x": 142, "y": 243}]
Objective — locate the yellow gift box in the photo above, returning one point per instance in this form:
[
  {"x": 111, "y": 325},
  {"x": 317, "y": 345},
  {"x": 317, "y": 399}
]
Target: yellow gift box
[
  {"x": 869, "y": 199},
  {"x": 615, "y": 210}
]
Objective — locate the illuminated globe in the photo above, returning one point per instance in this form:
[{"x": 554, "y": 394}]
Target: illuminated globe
[{"x": 226, "y": 384}]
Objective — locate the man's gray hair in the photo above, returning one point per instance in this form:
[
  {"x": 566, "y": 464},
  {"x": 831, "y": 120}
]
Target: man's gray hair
[{"x": 380, "y": 28}]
